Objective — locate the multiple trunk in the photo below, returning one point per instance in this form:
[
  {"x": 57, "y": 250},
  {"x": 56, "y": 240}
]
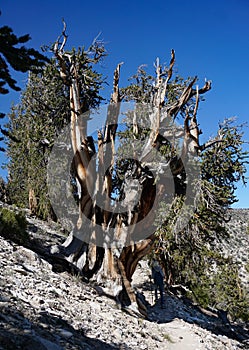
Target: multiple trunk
[{"x": 113, "y": 266}]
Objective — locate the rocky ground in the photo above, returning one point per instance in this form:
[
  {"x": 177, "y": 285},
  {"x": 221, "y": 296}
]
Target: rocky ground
[
  {"x": 237, "y": 226},
  {"x": 43, "y": 309}
]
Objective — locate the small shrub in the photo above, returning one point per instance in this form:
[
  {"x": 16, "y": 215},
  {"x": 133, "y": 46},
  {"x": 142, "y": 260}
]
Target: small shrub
[
  {"x": 13, "y": 226},
  {"x": 168, "y": 338}
]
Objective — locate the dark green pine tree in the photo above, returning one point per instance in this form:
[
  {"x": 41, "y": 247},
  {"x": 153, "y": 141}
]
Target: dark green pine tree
[
  {"x": 14, "y": 55},
  {"x": 30, "y": 132},
  {"x": 19, "y": 58}
]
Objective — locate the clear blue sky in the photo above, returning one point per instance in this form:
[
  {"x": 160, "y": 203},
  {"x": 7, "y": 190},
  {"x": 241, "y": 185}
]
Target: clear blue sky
[{"x": 210, "y": 38}]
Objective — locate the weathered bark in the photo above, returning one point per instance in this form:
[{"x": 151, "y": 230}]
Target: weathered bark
[
  {"x": 113, "y": 266},
  {"x": 32, "y": 201}
]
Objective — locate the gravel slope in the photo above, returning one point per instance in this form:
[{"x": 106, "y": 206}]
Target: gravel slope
[{"x": 42, "y": 309}]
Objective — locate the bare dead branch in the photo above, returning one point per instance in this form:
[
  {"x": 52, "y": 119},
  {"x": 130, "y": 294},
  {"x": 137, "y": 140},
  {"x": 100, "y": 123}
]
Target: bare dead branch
[
  {"x": 196, "y": 103},
  {"x": 161, "y": 86},
  {"x": 210, "y": 144},
  {"x": 64, "y": 35},
  {"x": 59, "y": 47},
  {"x": 172, "y": 62},
  {"x": 58, "y": 50},
  {"x": 203, "y": 90},
  {"x": 115, "y": 98},
  {"x": 183, "y": 99}
]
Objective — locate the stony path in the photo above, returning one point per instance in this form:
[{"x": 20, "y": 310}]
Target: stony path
[
  {"x": 188, "y": 327},
  {"x": 44, "y": 310}
]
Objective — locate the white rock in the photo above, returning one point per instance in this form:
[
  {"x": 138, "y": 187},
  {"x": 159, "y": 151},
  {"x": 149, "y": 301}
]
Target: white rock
[{"x": 66, "y": 334}]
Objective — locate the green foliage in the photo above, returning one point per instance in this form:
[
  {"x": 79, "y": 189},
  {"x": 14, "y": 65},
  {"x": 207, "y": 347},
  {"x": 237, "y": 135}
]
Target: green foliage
[
  {"x": 13, "y": 226},
  {"x": 142, "y": 87},
  {"x": 228, "y": 292},
  {"x": 35, "y": 123},
  {"x": 90, "y": 81},
  {"x": 18, "y": 58},
  {"x": 212, "y": 279},
  {"x": 32, "y": 128},
  {"x": 190, "y": 257},
  {"x": 224, "y": 164},
  {"x": 3, "y": 193}
]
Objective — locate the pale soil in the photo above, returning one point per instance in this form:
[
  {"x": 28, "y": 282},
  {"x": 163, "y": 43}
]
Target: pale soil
[{"x": 41, "y": 309}]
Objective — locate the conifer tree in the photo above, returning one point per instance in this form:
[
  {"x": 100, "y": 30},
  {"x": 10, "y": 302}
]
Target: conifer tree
[
  {"x": 19, "y": 58},
  {"x": 35, "y": 123},
  {"x": 60, "y": 94}
]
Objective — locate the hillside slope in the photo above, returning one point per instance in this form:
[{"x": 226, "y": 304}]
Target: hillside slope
[
  {"x": 237, "y": 245},
  {"x": 43, "y": 309}
]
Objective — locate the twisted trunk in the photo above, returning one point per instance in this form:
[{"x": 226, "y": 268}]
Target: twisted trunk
[{"x": 112, "y": 266}]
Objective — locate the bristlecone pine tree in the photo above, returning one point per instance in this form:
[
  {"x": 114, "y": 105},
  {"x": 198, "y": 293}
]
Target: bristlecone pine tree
[
  {"x": 105, "y": 171},
  {"x": 193, "y": 262},
  {"x": 113, "y": 268}
]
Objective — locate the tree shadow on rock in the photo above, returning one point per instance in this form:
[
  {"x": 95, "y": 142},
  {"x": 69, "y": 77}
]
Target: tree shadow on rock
[
  {"x": 41, "y": 243},
  {"x": 44, "y": 332}
]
